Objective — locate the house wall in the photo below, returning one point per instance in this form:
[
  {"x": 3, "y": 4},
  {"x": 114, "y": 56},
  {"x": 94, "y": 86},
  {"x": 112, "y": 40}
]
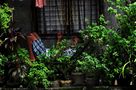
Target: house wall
[
  {"x": 22, "y": 14},
  {"x": 22, "y": 17},
  {"x": 110, "y": 17}
]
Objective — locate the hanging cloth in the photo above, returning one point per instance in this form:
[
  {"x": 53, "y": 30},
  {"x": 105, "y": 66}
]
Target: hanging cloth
[{"x": 40, "y": 3}]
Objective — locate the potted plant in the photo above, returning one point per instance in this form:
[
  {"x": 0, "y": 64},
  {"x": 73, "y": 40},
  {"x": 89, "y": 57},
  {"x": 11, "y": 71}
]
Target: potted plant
[
  {"x": 16, "y": 69},
  {"x": 112, "y": 48},
  {"x": 24, "y": 64},
  {"x": 91, "y": 66},
  {"x": 117, "y": 46},
  {"x": 9, "y": 46},
  {"x": 124, "y": 14},
  {"x": 38, "y": 76},
  {"x": 59, "y": 60},
  {"x": 9, "y": 36},
  {"x": 5, "y": 18},
  {"x": 78, "y": 77},
  {"x": 128, "y": 71}
]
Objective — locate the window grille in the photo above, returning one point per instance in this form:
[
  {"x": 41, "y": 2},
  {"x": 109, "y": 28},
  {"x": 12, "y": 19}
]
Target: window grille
[{"x": 67, "y": 16}]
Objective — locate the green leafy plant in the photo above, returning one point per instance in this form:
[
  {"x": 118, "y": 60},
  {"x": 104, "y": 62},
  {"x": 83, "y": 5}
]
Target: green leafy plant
[
  {"x": 89, "y": 64},
  {"x": 16, "y": 67},
  {"x": 57, "y": 60},
  {"x": 3, "y": 60},
  {"x": 111, "y": 44},
  {"x": 117, "y": 45},
  {"x": 125, "y": 16},
  {"x": 38, "y": 75},
  {"x": 8, "y": 35},
  {"x": 23, "y": 56},
  {"x": 5, "y": 17},
  {"x": 24, "y": 64}
]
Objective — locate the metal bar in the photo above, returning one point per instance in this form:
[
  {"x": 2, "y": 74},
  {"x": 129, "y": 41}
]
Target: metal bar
[
  {"x": 71, "y": 17},
  {"x": 56, "y": 10},
  {"x": 97, "y": 10},
  {"x": 49, "y": 14},
  {"x": 63, "y": 15},
  {"x": 66, "y": 16},
  {"x": 79, "y": 18},
  {"x": 101, "y": 6},
  {"x": 84, "y": 13},
  {"x": 91, "y": 11},
  {"x": 44, "y": 21}
]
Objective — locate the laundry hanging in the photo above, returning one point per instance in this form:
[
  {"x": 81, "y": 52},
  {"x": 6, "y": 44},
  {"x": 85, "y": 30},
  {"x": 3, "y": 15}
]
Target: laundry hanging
[{"x": 40, "y": 3}]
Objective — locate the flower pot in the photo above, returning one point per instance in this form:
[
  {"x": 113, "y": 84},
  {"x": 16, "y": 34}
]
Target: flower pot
[
  {"x": 1, "y": 81},
  {"x": 78, "y": 79},
  {"x": 13, "y": 84},
  {"x": 90, "y": 82},
  {"x": 65, "y": 83},
  {"x": 124, "y": 81},
  {"x": 55, "y": 83}
]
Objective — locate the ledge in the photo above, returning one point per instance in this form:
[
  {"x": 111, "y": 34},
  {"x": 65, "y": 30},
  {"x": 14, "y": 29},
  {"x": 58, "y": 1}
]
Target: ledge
[
  {"x": 79, "y": 88},
  {"x": 56, "y": 88}
]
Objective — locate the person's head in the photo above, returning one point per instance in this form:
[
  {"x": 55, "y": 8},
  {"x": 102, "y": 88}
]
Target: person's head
[
  {"x": 59, "y": 35},
  {"x": 75, "y": 40}
]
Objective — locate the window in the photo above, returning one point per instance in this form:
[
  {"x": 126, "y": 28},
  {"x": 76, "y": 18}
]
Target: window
[{"x": 67, "y": 16}]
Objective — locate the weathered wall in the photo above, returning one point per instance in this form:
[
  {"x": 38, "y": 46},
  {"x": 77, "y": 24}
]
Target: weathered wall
[
  {"x": 110, "y": 17},
  {"x": 22, "y": 14},
  {"x": 22, "y": 17}
]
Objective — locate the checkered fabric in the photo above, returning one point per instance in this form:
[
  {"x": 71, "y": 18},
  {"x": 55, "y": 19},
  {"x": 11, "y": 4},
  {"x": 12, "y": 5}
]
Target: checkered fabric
[{"x": 38, "y": 47}]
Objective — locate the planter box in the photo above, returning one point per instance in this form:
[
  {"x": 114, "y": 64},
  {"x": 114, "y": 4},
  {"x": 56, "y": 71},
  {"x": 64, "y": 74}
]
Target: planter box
[
  {"x": 58, "y": 88},
  {"x": 112, "y": 88},
  {"x": 79, "y": 88},
  {"x": 78, "y": 79}
]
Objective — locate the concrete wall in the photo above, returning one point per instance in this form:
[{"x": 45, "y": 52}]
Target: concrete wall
[
  {"x": 109, "y": 17},
  {"x": 22, "y": 14},
  {"x": 22, "y": 17}
]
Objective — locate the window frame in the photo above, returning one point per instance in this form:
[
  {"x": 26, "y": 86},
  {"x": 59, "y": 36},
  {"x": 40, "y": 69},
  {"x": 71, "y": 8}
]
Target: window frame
[{"x": 99, "y": 9}]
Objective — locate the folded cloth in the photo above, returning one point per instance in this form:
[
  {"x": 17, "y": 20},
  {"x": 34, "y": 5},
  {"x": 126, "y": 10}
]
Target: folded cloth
[{"x": 40, "y": 3}]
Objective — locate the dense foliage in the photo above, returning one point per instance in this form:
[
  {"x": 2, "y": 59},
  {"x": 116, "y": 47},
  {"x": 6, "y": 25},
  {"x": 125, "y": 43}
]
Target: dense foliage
[
  {"x": 117, "y": 45},
  {"x": 5, "y": 17}
]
